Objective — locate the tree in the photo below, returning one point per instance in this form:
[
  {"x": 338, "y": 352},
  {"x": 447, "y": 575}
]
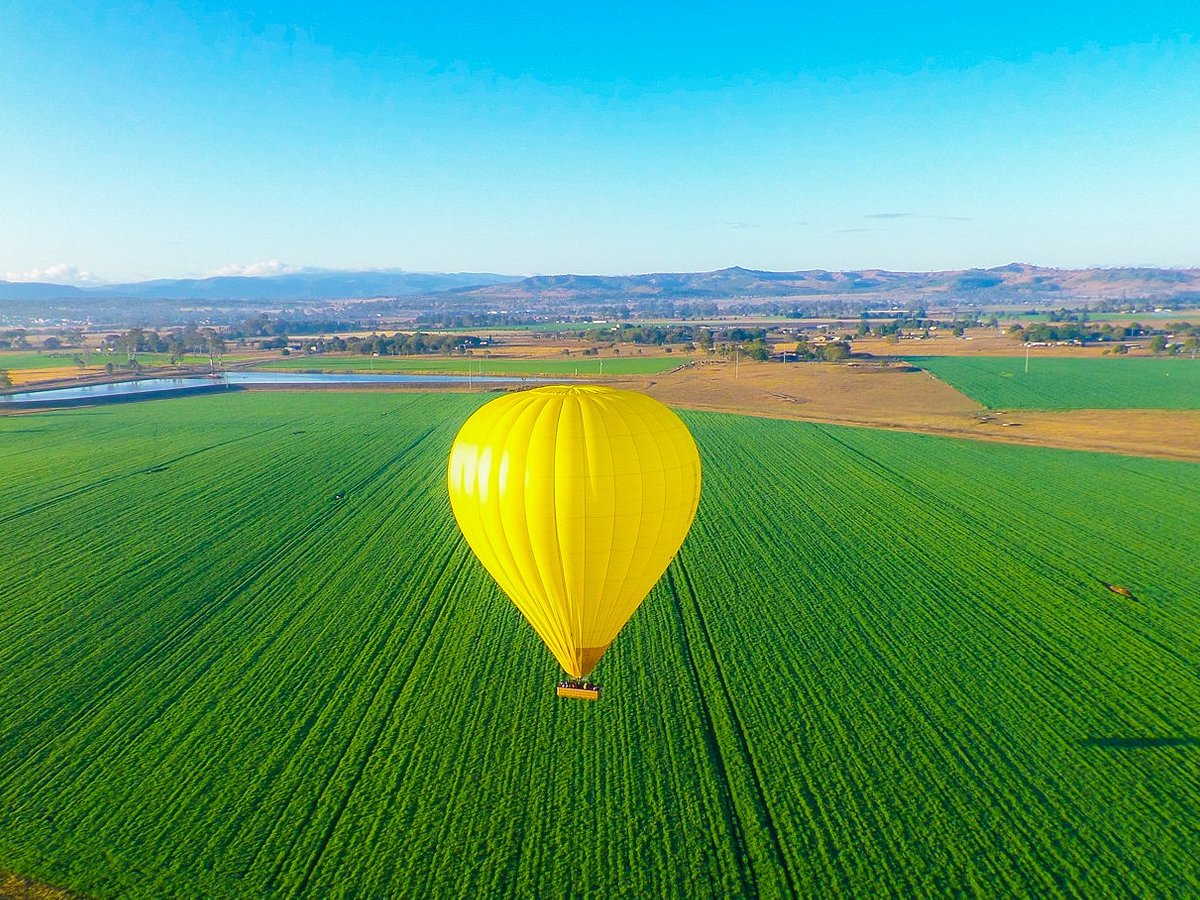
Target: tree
[
  {"x": 757, "y": 350},
  {"x": 1158, "y": 343},
  {"x": 835, "y": 351},
  {"x": 5, "y": 379},
  {"x": 52, "y": 343},
  {"x": 131, "y": 342}
]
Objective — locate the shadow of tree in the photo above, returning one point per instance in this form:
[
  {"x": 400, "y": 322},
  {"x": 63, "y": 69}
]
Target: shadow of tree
[{"x": 1139, "y": 743}]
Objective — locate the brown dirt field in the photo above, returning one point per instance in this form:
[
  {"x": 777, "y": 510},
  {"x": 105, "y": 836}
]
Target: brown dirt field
[
  {"x": 858, "y": 395},
  {"x": 889, "y": 397},
  {"x": 1169, "y": 434},
  {"x": 14, "y": 887}
]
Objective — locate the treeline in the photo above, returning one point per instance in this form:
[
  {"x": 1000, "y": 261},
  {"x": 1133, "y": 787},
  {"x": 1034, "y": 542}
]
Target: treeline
[
  {"x": 399, "y": 344},
  {"x": 18, "y": 339},
  {"x": 462, "y": 319},
  {"x": 657, "y": 335},
  {"x": 569, "y": 312},
  {"x": 177, "y": 342},
  {"x": 813, "y": 309},
  {"x": 263, "y": 325},
  {"x": 1080, "y": 330},
  {"x": 1182, "y": 300}
]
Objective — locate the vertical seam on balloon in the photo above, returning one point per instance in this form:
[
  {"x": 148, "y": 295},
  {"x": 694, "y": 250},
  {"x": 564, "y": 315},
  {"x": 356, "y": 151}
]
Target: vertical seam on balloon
[
  {"x": 511, "y": 570},
  {"x": 600, "y": 594},
  {"x": 539, "y": 594},
  {"x": 623, "y": 412},
  {"x": 651, "y": 433},
  {"x": 511, "y": 414},
  {"x": 678, "y": 434},
  {"x": 580, "y": 602},
  {"x": 563, "y": 637}
]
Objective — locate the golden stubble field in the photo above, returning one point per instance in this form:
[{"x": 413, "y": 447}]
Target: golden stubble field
[{"x": 896, "y": 397}]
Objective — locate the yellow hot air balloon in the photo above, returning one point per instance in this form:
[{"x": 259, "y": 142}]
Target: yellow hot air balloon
[{"x": 575, "y": 499}]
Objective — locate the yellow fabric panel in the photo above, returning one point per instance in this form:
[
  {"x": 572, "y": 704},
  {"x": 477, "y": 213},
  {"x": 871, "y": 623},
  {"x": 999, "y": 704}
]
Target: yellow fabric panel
[{"x": 575, "y": 499}]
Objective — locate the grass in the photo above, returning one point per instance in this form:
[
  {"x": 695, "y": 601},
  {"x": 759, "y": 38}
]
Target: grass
[
  {"x": 1000, "y": 382},
  {"x": 882, "y": 664},
  {"x": 14, "y": 360},
  {"x": 478, "y": 365}
]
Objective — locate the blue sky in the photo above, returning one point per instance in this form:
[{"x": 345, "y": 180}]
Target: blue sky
[{"x": 164, "y": 139}]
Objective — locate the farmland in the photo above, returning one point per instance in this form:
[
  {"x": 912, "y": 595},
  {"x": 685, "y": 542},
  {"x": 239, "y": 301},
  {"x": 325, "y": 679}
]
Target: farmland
[
  {"x": 883, "y": 662},
  {"x": 16, "y": 360},
  {"x": 29, "y": 367},
  {"x": 1000, "y": 382},
  {"x": 479, "y": 365}
]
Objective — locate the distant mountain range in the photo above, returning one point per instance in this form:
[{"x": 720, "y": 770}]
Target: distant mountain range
[
  {"x": 294, "y": 287},
  {"x": 1014, "y": 281},
  {"x": 407, "y": 296}
]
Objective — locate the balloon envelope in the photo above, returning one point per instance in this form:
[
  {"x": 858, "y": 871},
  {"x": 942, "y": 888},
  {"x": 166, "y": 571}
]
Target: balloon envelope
[{"x": 575, "y": 499}]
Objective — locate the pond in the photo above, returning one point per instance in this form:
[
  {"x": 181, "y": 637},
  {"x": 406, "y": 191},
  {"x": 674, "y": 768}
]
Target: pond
[{"x": 148, "y": 388}]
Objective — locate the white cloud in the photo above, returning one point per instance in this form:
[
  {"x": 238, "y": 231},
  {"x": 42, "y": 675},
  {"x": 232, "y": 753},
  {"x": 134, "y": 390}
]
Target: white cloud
[
  {"x": 260, "y": 269},
  {"x": 63, "y": 273}
]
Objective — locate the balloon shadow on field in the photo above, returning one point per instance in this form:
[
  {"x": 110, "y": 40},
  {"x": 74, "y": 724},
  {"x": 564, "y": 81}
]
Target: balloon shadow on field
[{"x": 1139, "y": 743}]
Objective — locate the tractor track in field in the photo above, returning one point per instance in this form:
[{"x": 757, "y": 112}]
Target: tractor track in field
[
  {"x": 759, "y": 800},
  {"x": 737, "y": 830},
  {"x": 384, "y": 721}
]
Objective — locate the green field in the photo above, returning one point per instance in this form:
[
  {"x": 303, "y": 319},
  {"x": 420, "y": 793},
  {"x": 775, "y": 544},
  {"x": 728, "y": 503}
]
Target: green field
[
  {"x": 883, "y": 664},
  {"x": 478, "y": 365},
  {"x": 12, "y": 360},
  {"x": 32, "y": 359},
  {"x": 1000, "y": 382}
]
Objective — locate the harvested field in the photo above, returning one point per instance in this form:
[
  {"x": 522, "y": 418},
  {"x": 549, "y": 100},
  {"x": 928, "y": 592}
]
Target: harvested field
[
  {"x": 1168, "y": 434},
  {"x": 861, "y": 395},
  {"x": 892, "y": 398},
  {"x": 21, "y": 377}
]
